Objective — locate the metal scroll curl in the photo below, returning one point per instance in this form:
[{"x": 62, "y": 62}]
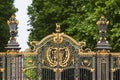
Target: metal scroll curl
[
  {"x": 64, "y": 57},
  {"x": 52, "y": 56}
]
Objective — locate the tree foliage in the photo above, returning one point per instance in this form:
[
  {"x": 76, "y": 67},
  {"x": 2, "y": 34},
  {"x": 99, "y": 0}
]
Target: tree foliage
[
  {"x": 78, "y": 19},
  {"x": 30, "y": 67},
  {"x": 6, "y": 10}
]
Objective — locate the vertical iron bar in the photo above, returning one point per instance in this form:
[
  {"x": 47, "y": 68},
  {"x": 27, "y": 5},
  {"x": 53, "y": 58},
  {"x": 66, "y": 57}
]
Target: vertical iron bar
[
  {"x": 118, "y": 75},
  {"x": 81, "y": 73},
  {"x": 64, "y": 75},
  {"x": 39, "y": 65},
  {"x": 58, "y": 45},
  {"x": 96, "y": 67},
  {"x": 67, "y": 74},
  {"x": 109, "y": 66},
  {"x": 15, "y": 62},
  {"x": 49, "y": 74}
]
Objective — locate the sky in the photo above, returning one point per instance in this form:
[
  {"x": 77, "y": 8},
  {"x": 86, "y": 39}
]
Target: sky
[{"x": 23, "y": 18}]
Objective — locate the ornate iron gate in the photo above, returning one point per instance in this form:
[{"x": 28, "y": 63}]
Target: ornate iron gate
[
  {"x": 60, "y": 57},
  {"x": 115, "y": 59}
]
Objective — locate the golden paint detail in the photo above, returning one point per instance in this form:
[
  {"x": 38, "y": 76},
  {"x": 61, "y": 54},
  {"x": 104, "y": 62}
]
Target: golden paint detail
[
  {"x": 28, "y": 53},
  {"x": 118, "y": 61},
  {"x": 34, "y": 44},
  {"x": 55, "y": 37},
  {"x": 113, "y": 70},
  {"x": 16, "y": 21},
  {"x": 86, "y": 63},
  {"x": 87, "y": 53},
  {"x": 16, "y": 52},
  {"x": 30, "y": 61},
  {"x": 73, "y": 61},
  {"x": 103, "y": 52},
  {"x": 58, "y": 28},
  {"x": 82, "y": 44},
  {"x": 2, "y": 53},
  {"x": 55, "y": 69},
  {"x": 92, "y": 70},
  {"x": 104, "y": 60},
  {"x": 12, "y": 51},
  {"x": 104, "y": 21},
  {"x": 2, "y": 69},
  {"x": 23, "y": 70},
  {"x": 115, "y": 54},
  {"x": 64, "y": 56},
  {"x": 28, "y": 68},
  {"x": 61, "y": 69},
  {"x": 52, "y": 56}
]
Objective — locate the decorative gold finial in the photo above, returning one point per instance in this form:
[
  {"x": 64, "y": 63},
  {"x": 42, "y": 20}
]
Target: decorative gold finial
[
  {"x": 82, "y": 43},
  {"x": 13, "y": 20},
  {"x": 12, "y": 23},
  {"x": 58, "y": 28},
  {"x": 102, "y": 21},
  {"x": 102, "y": 27}
]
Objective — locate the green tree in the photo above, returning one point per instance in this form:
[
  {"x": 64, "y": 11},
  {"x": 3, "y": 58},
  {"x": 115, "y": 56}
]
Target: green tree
[
  {"x": 78, "y": 19},
  {"x": 6, "y": 10},
  {"x": 30, "y": 67}
]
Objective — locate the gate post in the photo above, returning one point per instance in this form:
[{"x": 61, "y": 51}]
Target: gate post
[
  {"x": 12, "y": 59},
  {"x": 103, "y": 50},
  {"x": 2, "y": 66}
]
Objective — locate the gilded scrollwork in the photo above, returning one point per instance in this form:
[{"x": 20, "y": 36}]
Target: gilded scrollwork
[
  {"x": 56, "y": 37},
  {"x": 51, "y": 56},
  {"x": 116, "y": 62},
  {"x": 64, "y": 56},
  {"x": 86, "y": 63}
]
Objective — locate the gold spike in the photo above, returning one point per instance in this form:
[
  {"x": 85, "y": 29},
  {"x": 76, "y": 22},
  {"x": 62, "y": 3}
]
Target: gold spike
[
  {"x": 12, "y": 21},
  {"x": 23, "y": 70},
  {"x": 102, "y": 17},
  {"x": 103, "y": 21},
  {"x": 58, "y": 28},
  {"x": 113, "y": 70},
  {"x": 92, "y": 70}
]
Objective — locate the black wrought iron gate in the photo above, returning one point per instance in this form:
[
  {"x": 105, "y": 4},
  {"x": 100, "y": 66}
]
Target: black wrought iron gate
[{"x": 59, "y": 58}]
